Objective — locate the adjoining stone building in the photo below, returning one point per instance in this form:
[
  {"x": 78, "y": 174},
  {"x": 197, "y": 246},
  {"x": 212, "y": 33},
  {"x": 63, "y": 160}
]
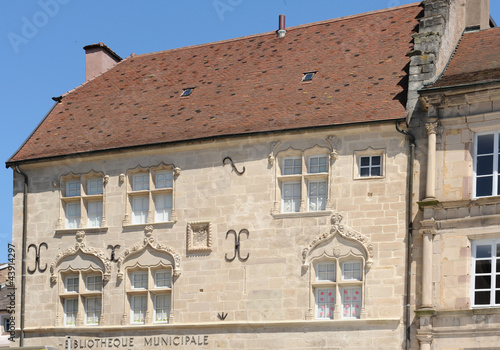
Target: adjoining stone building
[{"x": 260, "y": 193}]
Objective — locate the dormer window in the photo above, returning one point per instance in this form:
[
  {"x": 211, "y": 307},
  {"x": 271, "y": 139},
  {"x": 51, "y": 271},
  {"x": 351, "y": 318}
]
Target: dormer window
[
  {"x": 187, "y": 92},
  {"x": 308, "y": 76}
]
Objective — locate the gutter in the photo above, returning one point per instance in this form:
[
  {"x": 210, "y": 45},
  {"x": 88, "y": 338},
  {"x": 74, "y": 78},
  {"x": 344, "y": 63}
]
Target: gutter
[
  {"x": 409, "y": 239},
  {"x": 23, "y": 254}
]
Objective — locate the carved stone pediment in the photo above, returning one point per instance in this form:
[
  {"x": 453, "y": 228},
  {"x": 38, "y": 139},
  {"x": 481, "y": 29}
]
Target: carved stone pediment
[
  {"x": 150, "y": 245},
  {"x": 340, "y": 241},
  {"x": 81, "y": 257}
]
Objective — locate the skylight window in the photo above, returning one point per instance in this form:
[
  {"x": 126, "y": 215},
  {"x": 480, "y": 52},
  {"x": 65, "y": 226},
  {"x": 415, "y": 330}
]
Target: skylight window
[
  {"x": 187, "y": 92},
  {"x": 308, "y": 76}
]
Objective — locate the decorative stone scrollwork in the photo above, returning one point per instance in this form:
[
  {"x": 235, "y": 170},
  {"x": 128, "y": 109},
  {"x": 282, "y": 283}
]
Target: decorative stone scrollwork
[
  {"x": 80, "y": 246},
  {"x": 105, "y": 179},
  {"x": 177, "y": 171},
  {"x": 335, "y": 142},
  {"x": 121, "y": 178},
  {"x": 149, "y": 241},
  {"x": 199, "y": 236},
  {"x": 347, "y": 233}
]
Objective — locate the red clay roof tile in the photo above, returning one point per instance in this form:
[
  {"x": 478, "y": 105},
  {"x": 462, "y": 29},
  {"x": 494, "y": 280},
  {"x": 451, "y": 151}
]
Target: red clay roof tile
[
  {"x": 476, "y": 60},
  {"x": 246, "y": 85}
]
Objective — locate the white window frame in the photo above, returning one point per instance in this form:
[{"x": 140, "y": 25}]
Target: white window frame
[
  {"x": 370, "y": 167},
  {"x": 293, "y": 199},
  {"x": 73, "y": 212},
  {"x": 140, "y": 209},
  {"x": 157, "y": 284},
  {"x": 302, "y": 173},
  {"x": 493, "y": 274},
  {"x": 320, "y": 158},
  {"x": 93, "y": 315},
  {"x": 72, "y": 278},
  {"x": 317, "y": 198},
  {"x": 141, "y": 283},
  {"x": 332, "y": 279},
  {"x": 296, "y": 169},
  {"x": 157, "y": 184},
  {"x": 162, "y": 312},
  {"x": 142, "y": 309},
  {"x": 93, "y": 283},
  {"x": 79, "y": 195},
  {"x": 495, "y": 171},
  {"x": 73, "y": 313}
]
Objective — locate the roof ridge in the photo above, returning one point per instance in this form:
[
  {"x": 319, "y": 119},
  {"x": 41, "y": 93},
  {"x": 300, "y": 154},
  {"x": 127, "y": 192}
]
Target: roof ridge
[{"x": 300, "y": 26}]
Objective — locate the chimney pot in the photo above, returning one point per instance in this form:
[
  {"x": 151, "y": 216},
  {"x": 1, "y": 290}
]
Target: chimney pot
[{"x": 281, "y": 30}]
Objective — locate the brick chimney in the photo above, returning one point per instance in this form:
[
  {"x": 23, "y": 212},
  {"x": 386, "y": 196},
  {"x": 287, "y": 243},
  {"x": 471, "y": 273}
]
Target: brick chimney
[
  {"x": 477, "y": 15},
  {"x": 98, "y": 59}
]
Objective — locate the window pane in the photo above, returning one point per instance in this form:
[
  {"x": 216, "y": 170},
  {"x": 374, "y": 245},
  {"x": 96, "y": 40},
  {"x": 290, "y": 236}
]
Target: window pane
[
  {"x": 163, "y": 207},
  {"x": 140, "y": 209},
  {"x": 325, "y": 303},
  {"x": 484, "y": 186},
  {"x": 376, "y": 160},
  {"x": 325, "y": 272},
  {"x": 140, "y": 182},
  {"x": 292, "y": 166},
  {"x": 162, "y": 307},
  {"x": 70, "y": 311},
  {"x": 365, "y": 161},
  {"x": 351, "y": 270},
  {"x": 497, "y": 297},
  {"x": 317, "y": 195},
  {"x": 94, "y": 283},
  {"x": 291, "y": 197},
  {"x": 140, "y": 280},
  {"x": 484, "y": 165},
  {"x": 318, "y": 164},
  {"x": 163, "y": 279},
  {"x": 485, "y": 144},
  {"x": 72, "y": 188},
  {"x": 94, "y": 214},
  {"x": 482, "y": 298},
  {"x": 165, "y": 179},
  {"x": 92, "y": 311},
  {"x": 483, "y": 251},
  {"x": 351, "y": 302},
  {"x": 72, "y": 284},
  {"x": 376, "y": 171},
  {"x": 483, "y": 266},
  {"x": 94, "y": 186},
  {"x": 139, "y": 307},
  {"x": 483, "y": 282},
  {"x": 72, "y": 215}
]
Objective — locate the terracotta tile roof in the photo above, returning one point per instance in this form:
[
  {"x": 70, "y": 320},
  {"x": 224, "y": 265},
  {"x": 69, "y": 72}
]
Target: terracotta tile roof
[
  {"x": 245, "y": 85},
  {"x": 476, "y": 60}
]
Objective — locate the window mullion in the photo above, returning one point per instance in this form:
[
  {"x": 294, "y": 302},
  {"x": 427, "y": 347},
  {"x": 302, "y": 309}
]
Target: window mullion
[{"x": 495, "y": 165}]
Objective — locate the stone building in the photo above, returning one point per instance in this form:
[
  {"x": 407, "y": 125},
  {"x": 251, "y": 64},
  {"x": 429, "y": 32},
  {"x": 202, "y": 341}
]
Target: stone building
[{"x": 263, "y": 192}]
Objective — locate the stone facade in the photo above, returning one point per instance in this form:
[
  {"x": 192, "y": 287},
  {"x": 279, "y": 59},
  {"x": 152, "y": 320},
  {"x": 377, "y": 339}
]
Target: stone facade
[{"x": 266, "y": 294}]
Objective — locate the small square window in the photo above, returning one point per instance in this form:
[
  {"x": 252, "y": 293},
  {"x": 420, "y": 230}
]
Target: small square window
[
  {"x": 370, "y": 166},
  {"x": 308, "y": 76},
  {"x": 351, "y": 270},
  {"x": 187, "y": 92}
]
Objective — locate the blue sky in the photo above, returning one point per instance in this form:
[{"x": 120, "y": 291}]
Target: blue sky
[{"x": 41, "y": 45}]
